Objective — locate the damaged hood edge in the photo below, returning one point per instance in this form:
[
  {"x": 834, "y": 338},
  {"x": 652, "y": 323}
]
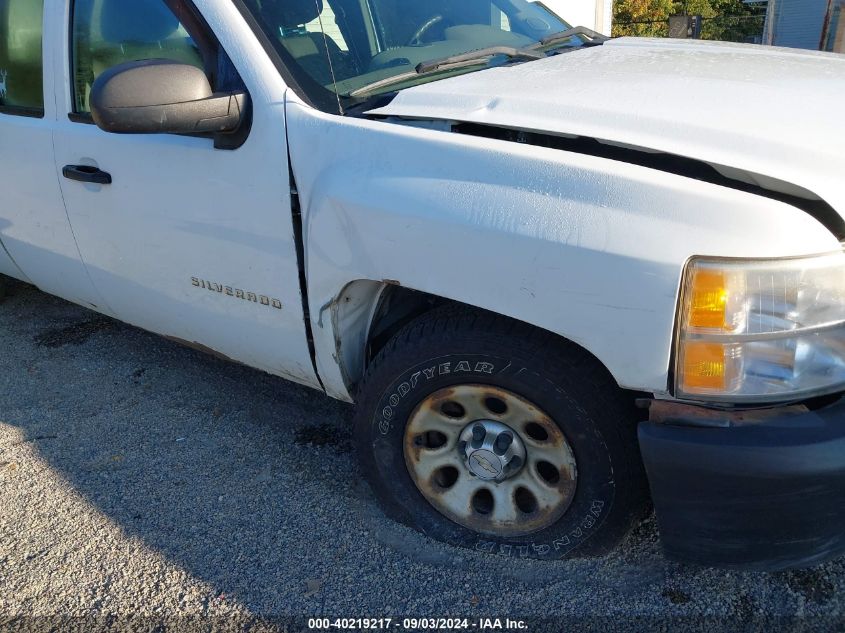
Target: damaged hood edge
[{"x": 764, "y": 116}]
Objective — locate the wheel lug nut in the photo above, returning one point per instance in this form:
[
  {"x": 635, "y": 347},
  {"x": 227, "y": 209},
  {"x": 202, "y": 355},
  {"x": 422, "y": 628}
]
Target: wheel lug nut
[
  {"x": 503, "y": 442},
  {"x": 490, "y": 450}
]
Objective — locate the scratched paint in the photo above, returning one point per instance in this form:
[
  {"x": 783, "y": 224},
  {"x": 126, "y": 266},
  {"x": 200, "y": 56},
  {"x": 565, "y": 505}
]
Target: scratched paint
[
  {"x": 769, "y": 111},
  {"x": 589, "y": 248}
]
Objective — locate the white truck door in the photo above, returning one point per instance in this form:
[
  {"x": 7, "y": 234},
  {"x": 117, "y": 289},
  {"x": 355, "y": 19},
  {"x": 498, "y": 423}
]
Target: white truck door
[
  {"x": 37, "y": 241},
  {"x": 188, "y": 241}
]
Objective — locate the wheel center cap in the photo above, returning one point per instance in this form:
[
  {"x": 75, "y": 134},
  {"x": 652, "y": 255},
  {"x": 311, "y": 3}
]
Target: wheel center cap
[
  {"x": 485, "y": 464},
  {"x": 492, "y": 451}
]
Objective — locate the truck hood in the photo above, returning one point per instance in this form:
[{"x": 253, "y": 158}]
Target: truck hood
[{"x": 756, "y": 113}]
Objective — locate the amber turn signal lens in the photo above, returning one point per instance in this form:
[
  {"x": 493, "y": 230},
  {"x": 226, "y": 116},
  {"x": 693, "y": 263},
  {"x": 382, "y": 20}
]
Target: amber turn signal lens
[
  {"x": 708, "y": 299},
  {"x": 706, "y": 367}
]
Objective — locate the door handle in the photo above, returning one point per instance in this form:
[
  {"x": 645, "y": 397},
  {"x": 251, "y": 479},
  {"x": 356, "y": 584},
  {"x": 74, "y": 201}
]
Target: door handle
[{"x": 86, "y": 173}]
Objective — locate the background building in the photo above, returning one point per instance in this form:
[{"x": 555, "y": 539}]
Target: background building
[
  {"x": 833, "y": 38},
  {"x": 811, "y": 24}
]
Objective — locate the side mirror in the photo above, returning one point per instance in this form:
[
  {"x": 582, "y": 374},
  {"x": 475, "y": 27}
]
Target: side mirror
[{"x": 163, "y": 96}]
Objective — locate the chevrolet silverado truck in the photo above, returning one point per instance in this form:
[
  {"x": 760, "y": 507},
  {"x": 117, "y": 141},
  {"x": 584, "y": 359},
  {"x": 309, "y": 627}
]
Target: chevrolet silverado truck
[{"x": 559, "y": 275}]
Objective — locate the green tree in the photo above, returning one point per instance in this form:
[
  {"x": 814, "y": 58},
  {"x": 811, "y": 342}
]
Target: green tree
[
  {"x": 734, "y": 21},
  {"x": 643, "y": 18},
  {"x": 728, "y": 20}
]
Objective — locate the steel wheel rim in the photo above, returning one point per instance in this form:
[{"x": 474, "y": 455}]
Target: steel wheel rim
[{"x": 523, "y": 500}]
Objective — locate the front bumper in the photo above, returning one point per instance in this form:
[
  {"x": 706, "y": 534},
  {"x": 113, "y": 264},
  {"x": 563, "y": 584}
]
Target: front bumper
[{"x": 763, "y": 494}]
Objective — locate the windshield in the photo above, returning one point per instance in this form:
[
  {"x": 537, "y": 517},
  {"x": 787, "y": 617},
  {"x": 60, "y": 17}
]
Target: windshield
[{"x": 336, "y": 50}]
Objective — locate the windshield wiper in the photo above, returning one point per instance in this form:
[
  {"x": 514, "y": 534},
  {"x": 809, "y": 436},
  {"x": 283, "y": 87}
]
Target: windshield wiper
[
  {"x": 562, "y": 36},
  {"x": 453, "y": 62},
  {"x": 480, "y": 55}
]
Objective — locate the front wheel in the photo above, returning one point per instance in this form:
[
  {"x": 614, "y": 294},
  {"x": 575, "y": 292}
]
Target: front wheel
[{"x": 486, "y": 433}]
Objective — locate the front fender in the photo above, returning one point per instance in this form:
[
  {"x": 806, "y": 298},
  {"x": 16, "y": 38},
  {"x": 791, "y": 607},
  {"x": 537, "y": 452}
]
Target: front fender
[{"x": 588, "y": 248}]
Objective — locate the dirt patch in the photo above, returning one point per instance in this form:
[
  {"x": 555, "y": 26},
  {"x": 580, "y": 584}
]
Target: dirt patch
[
  {"x": 745, "y": 608},
  {"x": 810, "y": 583},
  {"x": 676, "y": 596},
  {"x": 323, "y": 435},
  {"x": 75, "y": 334}
]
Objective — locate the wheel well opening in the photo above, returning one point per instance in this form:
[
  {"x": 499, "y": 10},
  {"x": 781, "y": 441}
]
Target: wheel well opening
[{"x": 398, "y": 306}]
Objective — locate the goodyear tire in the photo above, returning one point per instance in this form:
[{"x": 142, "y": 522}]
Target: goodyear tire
[{"x": 491, "y": 435}]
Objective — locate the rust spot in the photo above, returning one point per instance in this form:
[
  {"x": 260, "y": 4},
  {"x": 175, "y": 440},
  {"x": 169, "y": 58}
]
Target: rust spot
[
  {"x": 436, "y": 403},
  {"x": 413, "y": 447},
  {"x": 556, "y": 441},
  {"x": 553, "y": 435},
  {"x": 438, "y": 488},
  {"x": 567, "y": 473},
  {"x": 663, "y": 411},
  {"x": 495, "y": 392},
  {"x": 530, "y": 514},
  {"x": 567, "y": 490},
  {"x": 200, "y": 348}
]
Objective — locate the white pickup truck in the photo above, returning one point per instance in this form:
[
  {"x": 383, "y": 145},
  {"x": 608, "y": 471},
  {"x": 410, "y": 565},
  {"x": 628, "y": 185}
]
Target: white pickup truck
[{"x": 495, "y": 233}]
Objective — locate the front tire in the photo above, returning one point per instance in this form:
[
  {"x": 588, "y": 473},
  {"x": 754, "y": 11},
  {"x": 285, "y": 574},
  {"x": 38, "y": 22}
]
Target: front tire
[{"x": 489, "y": 434}]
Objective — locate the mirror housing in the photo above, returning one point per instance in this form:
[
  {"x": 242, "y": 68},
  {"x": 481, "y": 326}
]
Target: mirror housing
[{"x": 161, "y": 96}]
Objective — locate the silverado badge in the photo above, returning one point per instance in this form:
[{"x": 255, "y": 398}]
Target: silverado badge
[{"x": 237, "y": 293}]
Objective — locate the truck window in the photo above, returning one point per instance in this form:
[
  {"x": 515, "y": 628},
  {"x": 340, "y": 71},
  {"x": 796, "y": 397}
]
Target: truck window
[
  {"x": 327, "y": 22},
  {"x": 334, "y": 48},
  {"x": 309, "y": 33},
  {"x": 21, "y": 78},
  {"x": 111, "y": 32}
]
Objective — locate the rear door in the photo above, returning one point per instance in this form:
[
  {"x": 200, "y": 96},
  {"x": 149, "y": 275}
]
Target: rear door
[
  {"x": 190, "y": 241},
  {"x": 37, "y": 241}
]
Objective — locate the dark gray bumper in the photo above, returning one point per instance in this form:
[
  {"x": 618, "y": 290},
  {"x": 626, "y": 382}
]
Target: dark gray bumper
[{"x": 766, "y": 496}]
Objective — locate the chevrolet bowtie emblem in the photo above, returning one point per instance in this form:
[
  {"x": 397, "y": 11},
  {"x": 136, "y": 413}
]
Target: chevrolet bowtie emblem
[{"x": 485, "y": 464}]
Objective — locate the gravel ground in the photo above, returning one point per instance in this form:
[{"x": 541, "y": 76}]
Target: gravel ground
[{"x": 141, "y": 478}]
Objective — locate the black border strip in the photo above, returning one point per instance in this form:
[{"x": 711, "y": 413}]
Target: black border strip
[
  {"x": 676, "y": 164},
  {"x": 81, "y": 117},
  {"x": 32, "y": 113},
  {"x": 299, "y": 242}
]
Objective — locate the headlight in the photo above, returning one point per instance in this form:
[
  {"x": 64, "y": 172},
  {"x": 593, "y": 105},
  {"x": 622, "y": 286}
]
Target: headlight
[{"x": 755, "y": 331}]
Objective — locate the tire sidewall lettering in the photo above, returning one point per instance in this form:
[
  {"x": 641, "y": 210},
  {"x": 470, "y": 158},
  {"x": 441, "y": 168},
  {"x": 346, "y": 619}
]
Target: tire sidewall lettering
[
  {"x": 593, "y": 500},
  {"x": 420, "y": 377},
  {"x": 559, "y": 545}
]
